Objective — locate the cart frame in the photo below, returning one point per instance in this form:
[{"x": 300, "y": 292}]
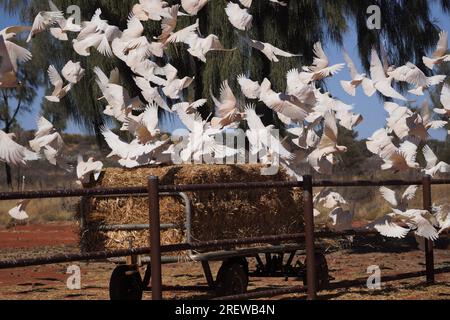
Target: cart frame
[{"x": 285, "y": 270}]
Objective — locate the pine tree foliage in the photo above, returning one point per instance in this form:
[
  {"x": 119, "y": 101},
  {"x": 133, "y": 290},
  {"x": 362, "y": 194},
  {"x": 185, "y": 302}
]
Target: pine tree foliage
[{"x": 408, "y": 32}]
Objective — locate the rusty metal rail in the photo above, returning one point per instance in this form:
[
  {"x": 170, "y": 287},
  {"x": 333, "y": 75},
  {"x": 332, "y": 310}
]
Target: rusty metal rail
[
  {"x": 380, "y": 183},
  {"x": 216, "y": 244},
  {"x": 429, "y": 245},
  {"x": 71, "y": 193},
  {"x": 308, "y": 199},
  {"x": 98, "y": 192}
]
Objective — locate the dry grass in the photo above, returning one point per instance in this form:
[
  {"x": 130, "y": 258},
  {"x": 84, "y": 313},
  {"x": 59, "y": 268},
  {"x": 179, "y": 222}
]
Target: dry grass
[
  {"x": 38, "y": 177},
  {"x": 216, "y": 215},
  {"x": 40, "y": 211},
  {"x": 370, "y": 205},
  {"x": 41, "y": 175},
  {"x": 377, "y": 206}
]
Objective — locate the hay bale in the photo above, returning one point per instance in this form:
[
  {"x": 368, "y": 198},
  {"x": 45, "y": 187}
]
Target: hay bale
[{"x": 216, "y": 215}]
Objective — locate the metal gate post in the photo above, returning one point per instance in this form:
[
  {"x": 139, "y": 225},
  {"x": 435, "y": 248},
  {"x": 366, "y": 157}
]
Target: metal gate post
[
  {"x": 429, "y": 245},
  {"x": 155, "y": 237},
  {"x": 309, "y": 237}
]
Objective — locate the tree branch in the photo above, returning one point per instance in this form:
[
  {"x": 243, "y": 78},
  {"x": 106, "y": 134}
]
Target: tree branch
[
  {"x": 4, "y": 117},
  {"x": 11, "y": 120}
]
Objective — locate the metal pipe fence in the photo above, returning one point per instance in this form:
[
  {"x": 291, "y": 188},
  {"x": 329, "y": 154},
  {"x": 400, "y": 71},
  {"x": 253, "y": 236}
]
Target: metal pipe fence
[{"x": 154, "y": 191}]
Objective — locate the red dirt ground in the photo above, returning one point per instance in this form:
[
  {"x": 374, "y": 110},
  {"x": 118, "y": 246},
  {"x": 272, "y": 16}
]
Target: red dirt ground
[
  {"x": 35, "y": 236},
  {"x": 49, "y": 282}
]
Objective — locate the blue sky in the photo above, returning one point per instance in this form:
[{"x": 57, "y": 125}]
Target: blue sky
[{"x": 370, "y": 108}]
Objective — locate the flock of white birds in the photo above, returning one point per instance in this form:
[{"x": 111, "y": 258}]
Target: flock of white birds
[
  {"x": 397, "y": 224},
  {"x": 312, "y": 117}
]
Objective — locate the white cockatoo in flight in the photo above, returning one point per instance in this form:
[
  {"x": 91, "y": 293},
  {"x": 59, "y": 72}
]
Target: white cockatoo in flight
[
  {"x": 248, "y": 3},
  {"x": 13, "y": 153},
  {"x": 60, "y": 32},
  {"x": 358, "y": 79},
  {"x": 239, "y": 17},
  {"x": 441, "y": 54},
  {"x": 445, "y": 101},
  {"x": 411, "y": 74},
  {"x": 10, "y": 56},
  {"x": 60, "y": 90},
  {"x": 43, "y": 20},
  {"x": 269, "y": 50},
  {"x": 73, "y": 72},
  {"x": 321, "y": 68},
  {"x": 48, "y": 141},
  {"x": 395, "y": 200},
  {"x": 381, "y": 81},
  {"x": 98, "y": 34},
  {"x": 19, "y": 211},
  {"x": 86, "y": 168},
  {"x": 151, "y": 10},
  {"x": 193, "y": 7}
]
